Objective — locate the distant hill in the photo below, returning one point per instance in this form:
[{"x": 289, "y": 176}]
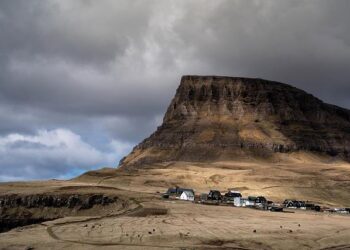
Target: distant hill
[{"x": 214, "y": 118}]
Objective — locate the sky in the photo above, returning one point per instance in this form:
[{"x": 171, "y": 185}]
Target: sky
[{"x": 83, "y": 81}]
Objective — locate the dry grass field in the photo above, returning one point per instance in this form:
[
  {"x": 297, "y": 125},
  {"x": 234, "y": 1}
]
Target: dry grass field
[
  {"x": 149, "y": 222},
  {"x": 324, "y": 183}
]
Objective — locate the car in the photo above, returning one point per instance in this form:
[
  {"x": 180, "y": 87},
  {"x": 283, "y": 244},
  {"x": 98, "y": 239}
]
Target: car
[{"x": 275, "y": 209}]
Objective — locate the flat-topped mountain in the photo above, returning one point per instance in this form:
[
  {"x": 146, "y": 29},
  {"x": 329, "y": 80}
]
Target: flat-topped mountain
[
  {"x": 213, "y": 118},
  {"x": 259, "y": 137}
]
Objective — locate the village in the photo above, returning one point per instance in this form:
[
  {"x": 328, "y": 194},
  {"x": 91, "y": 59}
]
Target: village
[{"x": 234, "y": 198}]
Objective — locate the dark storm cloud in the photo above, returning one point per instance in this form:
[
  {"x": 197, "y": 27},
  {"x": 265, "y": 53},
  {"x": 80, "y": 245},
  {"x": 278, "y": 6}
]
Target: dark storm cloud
[
  {"x": 105, "y": 71},
  {"x": 304, "y": 43},
  {"x": 78, "y": 30}
]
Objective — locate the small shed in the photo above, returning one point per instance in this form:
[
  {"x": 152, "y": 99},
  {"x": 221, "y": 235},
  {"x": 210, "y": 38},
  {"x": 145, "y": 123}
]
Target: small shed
[
  {"x": 204, "y": 197},
  {"x": 187, "y": 195}
]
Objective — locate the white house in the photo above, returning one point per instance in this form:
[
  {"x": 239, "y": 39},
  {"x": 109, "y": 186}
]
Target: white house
[
  {"x": 187, "y": 196},
  {"x": 237, "y": 201},
  {"x": 236, "y": 197}
]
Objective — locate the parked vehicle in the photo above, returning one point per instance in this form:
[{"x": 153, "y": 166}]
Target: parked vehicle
[
  {"x": 165, "y": 196},
  {"x": 275, "y": 209}
]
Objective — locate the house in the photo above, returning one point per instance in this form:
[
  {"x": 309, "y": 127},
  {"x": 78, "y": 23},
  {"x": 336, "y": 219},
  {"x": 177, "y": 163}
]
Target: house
[
  {"x": 214, "y": 195},
  {"x": 290, "y": 204},
  {"x": 260, "y": 200},
  {"x": 250, "y": 202},
  {"x": 177, "y": 191},
  {"x": 187, "y": 195},
  {"x": 253, "y": 201},
  {"x": 237, "y": 201},
  {"x": 243, "y": 202},
  {"x": 294, "y": 204},
  {"x": 233, "y": 197}
]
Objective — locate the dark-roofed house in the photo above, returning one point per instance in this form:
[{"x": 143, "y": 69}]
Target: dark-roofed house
[
  {"x": 214, "y": 195},
  {"x": 294, "y": 204}
]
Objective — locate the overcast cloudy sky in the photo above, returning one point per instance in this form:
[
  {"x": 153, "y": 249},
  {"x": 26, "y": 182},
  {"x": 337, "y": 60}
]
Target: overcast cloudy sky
[{"x": 81, "y": 82}]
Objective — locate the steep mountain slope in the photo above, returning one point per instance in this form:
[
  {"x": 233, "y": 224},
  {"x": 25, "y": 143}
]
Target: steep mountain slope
[{"x": 215, "y": 118}]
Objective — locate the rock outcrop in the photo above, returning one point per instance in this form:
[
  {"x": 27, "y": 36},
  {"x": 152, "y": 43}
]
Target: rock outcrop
[
  {"x": 21, "y": 210},
  {"x": 224, "y": 118},
  {"x": 77, "y": 201}
]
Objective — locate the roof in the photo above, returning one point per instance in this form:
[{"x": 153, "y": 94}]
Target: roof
[
  {"x": 231, "y": 190},
  {"x": 214, "y": 191},
  {"x": 185, "y": 189},
  {"x": 251, "y": 198},
  {"x": 232, "y": 195},
  {"x": 178, "y": 191},
  {"x": 188, "y": 193}
]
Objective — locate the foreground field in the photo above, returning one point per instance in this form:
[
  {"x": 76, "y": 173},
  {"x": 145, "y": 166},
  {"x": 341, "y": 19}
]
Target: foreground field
[
  {"x": 145, "y": 221},
  {"x": 182, "y": 225}
]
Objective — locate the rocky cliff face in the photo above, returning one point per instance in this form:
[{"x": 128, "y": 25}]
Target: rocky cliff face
[
  {"x": 76, "y": 201},
  {"x": 224, "y": 118},
  {"x": 21, "y": 210}
]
